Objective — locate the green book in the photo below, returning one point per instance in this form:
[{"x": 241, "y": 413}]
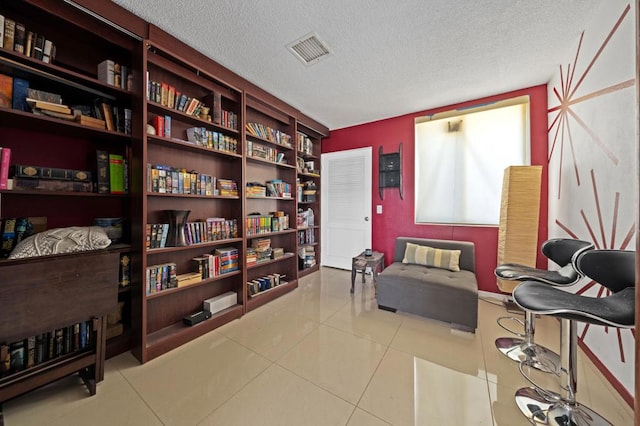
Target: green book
[{"x": 116, "y": 173}]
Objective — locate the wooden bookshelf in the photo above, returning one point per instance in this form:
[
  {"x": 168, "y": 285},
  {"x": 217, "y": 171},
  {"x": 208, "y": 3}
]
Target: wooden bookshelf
[
  {"x": 62, "y": 290},
  {"x": 308, "y": 152},
  {"x": 169, "y": 157}
]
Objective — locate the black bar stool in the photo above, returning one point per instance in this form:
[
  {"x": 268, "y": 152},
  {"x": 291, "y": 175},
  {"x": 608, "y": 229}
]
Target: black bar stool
[
  {"x": 522, "y": 348},
  {"x": 614, "y": 269}
]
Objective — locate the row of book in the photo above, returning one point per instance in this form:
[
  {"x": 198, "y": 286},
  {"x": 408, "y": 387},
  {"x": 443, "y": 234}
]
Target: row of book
[
  {"x": 169, "y": 180},
  {"x": 161, "y": 277},
  {"x": 30, "y": 352},
  {"x": 115, "y": 74},
  {"x": 28, "y": 177},
  {"x": 260, "y": 251},
  {"x": 204, "y": 137},
  {"x": 304, "y": 144},
  {"x": 306, "y": 257},
  {"x": 306, "y": 236},
  {"x": 264, "y": 224},
  {"x": 265, "y": 283},
  {"x": 14, "y": 36},
  {"x": 270, "y": 134},
  {"x": 278, "y": 188},
  {"x": 223, "y": 261},
  {"x": 212, "y": 229},
  {"x": 16, "y": 93},
  {"x": 167, "y": 96},
  {"x": 257, "y": 150},
  {"x": 12, "y": 231}
]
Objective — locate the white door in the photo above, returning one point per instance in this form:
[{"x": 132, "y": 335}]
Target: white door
[{"x": 346, "y": 206}]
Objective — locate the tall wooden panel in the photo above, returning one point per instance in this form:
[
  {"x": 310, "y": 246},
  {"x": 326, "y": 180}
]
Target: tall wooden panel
[{"x": 519, "y": 216}]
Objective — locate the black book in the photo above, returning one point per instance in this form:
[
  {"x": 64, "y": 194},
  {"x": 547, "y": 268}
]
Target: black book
[{"x": 17, "y": 356}]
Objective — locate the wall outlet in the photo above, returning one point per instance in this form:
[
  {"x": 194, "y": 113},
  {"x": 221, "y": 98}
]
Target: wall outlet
[{"x": 379, "y": 209}]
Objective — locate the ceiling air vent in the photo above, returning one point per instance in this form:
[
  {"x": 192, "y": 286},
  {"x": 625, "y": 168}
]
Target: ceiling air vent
[{"x": 309, "y": 49}]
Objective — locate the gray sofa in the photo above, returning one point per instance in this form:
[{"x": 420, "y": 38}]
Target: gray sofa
[{"x": 440, "y": 294}]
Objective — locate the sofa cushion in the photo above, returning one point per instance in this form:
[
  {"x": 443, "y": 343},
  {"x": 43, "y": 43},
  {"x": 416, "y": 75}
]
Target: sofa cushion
[{"x": 433, "y": 257}]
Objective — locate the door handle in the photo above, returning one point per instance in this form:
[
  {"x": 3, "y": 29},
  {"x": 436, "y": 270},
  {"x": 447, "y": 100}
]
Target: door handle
[{"x": 366, "y": 218}]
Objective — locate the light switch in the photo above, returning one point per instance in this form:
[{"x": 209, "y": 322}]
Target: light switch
[{"x": 379, "y": 208}]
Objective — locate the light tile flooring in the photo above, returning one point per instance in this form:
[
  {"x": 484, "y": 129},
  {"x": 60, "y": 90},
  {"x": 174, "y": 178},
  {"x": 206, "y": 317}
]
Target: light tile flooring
[{"x": 317, "y": 356}]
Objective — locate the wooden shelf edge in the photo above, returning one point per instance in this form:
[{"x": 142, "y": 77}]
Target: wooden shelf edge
[
  {"x": 166, "y": 292},
  {"x": 271, "y": 261},
  {"x": 180, "y": 144},
  {"x": 57, "y": 369},
  {"x": 268, "y": 234},
  {"x": 307, "y": 271},
  {"x": 261, "y": 299},
  {"x": 177, "y": 334}
]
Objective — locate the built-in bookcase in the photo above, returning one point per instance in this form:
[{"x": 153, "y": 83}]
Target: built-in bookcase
[
  {"x": 270, "y": 161},
  {"x": 58, "y": 292},
  {"x": 192, "y": 162},
  {"x": 308, "y": 196}
]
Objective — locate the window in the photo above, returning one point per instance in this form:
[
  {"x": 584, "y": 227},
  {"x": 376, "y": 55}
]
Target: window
[{"x": 460, "y": 160}]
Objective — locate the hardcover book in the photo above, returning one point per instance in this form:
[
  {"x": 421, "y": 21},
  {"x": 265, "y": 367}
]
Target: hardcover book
[
  {"x": 6, "y": 90},
  {"x": 20, "y": 89},
  {"x": 102, "y": 169},
  {"x": 1, "y": 45},
  {"x": 116, "y": 174},
  {"x": 38, "y": 49},
  {"x": 9, "y": 33},
  {"x": 31, "y": 184},
  {"x": 19, "y": 37},
  {"x": 7, "y": 236},
  {"x": 5, "y": 159}
]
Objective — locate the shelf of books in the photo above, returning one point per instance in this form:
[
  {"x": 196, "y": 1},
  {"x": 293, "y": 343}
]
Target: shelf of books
[
  {"x": 270, "y": 203},
  {"x": 65, "y": 147},
  {"x": 308, "y": 150},
  {"x": 192, "y": 208}
]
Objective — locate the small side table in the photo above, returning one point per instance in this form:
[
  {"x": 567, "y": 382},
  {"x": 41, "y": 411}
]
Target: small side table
[{"x": 360, "y": 263}]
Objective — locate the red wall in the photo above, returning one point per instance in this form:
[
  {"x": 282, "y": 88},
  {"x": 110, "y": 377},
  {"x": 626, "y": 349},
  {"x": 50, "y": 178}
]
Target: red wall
[{"x": 397, "y": 218}]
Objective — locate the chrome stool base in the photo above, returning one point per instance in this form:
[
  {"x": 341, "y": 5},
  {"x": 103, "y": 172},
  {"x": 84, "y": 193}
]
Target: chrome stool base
[
  {"x": 541, "y": 411},
  {"x": 530, "y": 354}
]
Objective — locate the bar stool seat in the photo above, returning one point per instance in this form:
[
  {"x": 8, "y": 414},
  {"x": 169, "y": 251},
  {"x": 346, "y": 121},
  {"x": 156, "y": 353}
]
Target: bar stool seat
[{"x": 614, "y": 269}]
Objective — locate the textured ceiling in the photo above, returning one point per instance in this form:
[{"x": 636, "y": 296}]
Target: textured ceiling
[{"x": 389, "y": 57}]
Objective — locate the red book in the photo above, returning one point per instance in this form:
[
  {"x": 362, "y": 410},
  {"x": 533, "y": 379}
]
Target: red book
[
  {"x": 158, "y": 124},
  {"x": 5, "y": 157}
]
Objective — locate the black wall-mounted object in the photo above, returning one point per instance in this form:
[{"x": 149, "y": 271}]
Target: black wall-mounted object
[{"x": 390, "y": 171}]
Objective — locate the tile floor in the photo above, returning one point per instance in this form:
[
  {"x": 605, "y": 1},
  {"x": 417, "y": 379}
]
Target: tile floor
[{"x": 317, "y": 356}]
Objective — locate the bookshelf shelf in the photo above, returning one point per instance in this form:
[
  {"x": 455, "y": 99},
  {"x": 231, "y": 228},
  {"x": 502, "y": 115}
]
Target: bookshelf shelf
[
  {"x": 269, "y": 234},
  {"x": 183, "y": 144},
  {"x": 177, "y": 333},
  {"x": 196, "y": 121},
  {"x": 170, "y": 291},
  {"x": 208, "y": 197},
  {"x": 19, "y": 119},
  {"x": 283, "y": 258},
  {"x": 29, "y": 68},
  {"x": 311, "y": 175},
  {"x": 267, "y": 197},
  {"x": 197, "y": 246},
  {"x": 266, "y": 296},
  {"x": 60, "y": 194},
  {"x": 270, "y": 142},
  {"x": 306, "y": 271},
  {"x": 270, "y": 163}
]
